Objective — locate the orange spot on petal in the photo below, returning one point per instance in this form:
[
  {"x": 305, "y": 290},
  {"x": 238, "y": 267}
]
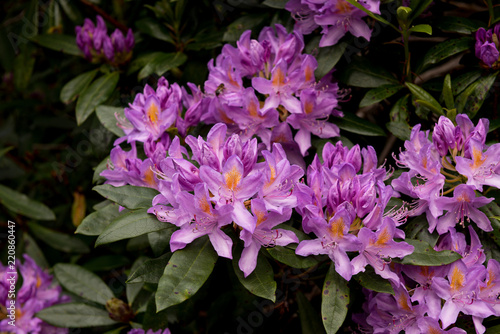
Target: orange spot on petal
[{"x": 232, "y": 178}]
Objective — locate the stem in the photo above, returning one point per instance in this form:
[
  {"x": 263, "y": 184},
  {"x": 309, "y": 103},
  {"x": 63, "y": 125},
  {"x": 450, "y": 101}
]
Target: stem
[
  {"x": 406, "y": 41},
  {"x": 491, "y": 11}
]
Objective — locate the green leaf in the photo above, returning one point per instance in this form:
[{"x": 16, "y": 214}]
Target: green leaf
[
  {"x": 160, "y": 240},
  {"x": 460, "y": 25},
  {"x": 399, "y": 111},
  {"x": 62, "y": 43},
  {"x": 328, "y": 57},
  {"x": 424, "y": 255},
  {"x": 492, "y": 210},
  {"x": 310, "y": 321},
  {"x": 99, "y": 169},
  {"x": 379, "y": 94},
  {"x": 444, "y": 50},
  {"x": 460, "y": 83},
  {"x": 400, "y": 129},
  {"x": 185, "y": 273},
  {"x": 417, "y": 228},
  {"x": 131, "y": 197},
  {"x": 154, "y": 29},
  {"x": 424, "y": 28},
  {"x": 261, "y": 281},
  {"x": 133, "y": 289},
  {"x": 106, "y": 115},
  {"x": 31, "y": 248},
  {"x": 161, "y": 63},
  {"x": 73, "y": 88},
  {"x": 75, "y": 315},
  {"x": 21, "y": 204},
  {"x": 131, "y": 225},
  {"x": 287, "y": 256},
  {"x": 472, "y": 98},
  {"x": 82, "y": 283},
  {"x": 96, "y": 222},
  {"x": 334, "y": 301},
  {"x": 98, "y": 92},
  {"x": 106, "y": 262},
  {"x": 238, "y": 26},
  {"x": 370, "y": 280},
  {"x": 24, "y": 64},
  {"x": 150, "y": 271},
  {"x": 372, "y": 15},
  {"x": 279, "y": 4},
  {"x": 493, "y": 330},
  {"x": 361, "y": 73},
  {"x": 57, "y": 240},
  {"x": 421, "y": 96},
  {"x": 418, "y": 6},
  {"x": 354, "y": 124},
  {"x": 448, "y": 93}
]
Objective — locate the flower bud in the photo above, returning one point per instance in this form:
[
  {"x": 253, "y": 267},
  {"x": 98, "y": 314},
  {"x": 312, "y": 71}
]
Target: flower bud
[{"x": 119, "y": 310}]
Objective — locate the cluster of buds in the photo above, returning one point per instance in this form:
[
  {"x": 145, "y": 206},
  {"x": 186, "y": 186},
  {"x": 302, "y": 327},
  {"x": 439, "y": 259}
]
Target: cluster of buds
[
  {"x": 335, "y": 18},
  {"x": 488, "y": 45},
  {"x": 98, "y": 46},
  {"x": 36, "y": 293}
]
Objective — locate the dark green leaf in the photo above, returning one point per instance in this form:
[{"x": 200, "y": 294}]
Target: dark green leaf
[
  {"x": 399, "y": 111},
  {"x": 98, "y": 92},
  {"x": 154, "y": 29},
  {"x": 106, "y": 115},
  {"x": 131, "y": 225},
  {"x": 423, "y": 28},
  {"x": 400, "y": 129},
  {"x": 161, "y": 63},
  {"x": 279, "y": 4},
  {"x": 131, "y": 197},
  {"x": 31, "y": 248},
  {"x": 185, "y": 273},
  {"x": 21, "y": 204},
  {"x": 448, "y": 93},
  {"x": 421, "y": 96},
  {"x": 379, "y": 94},
  {"x": 492, "y": 210},
  {"x": 76, "y": 315},
  {"x": 62, "y": 43},
  {"x": 444, "y": 50},
  {"x": 96, "y": 222},
  {"x": 99, "y": 169},
  {"x": 287, "y": 256},
  {"x": 361, "y": 73},
  {"x": 370, "y": 13},
  {"x": 328, "y": 57},
  {"x": 460, "y": 83},
  {"x": 310, "y": 321},
  {"x": 424, "y": 255},
  {"x": 133, "y": 289},
  {"x": 334, "y": 301},
  {"x": 460, "y": 25},
  {"x": 247, "y": 22},
  {"x": 418, "y": 228},
  {"x": 472, "y": 98},
  {"x": 57, "y": 240},
  {"x": 141, "y": 61},
  {"x": 150, "y": 271},
  {"x": 71, "y": 11},
  {"x": 73, "y": 88},
  {"x": 493, "y": 330},
  {"x": 354, "y": 124},
  {"x": 160, "y": 240},
  {"x": 106, "y": 262},
  {"x": 82, "y": 283},
  {"x": 261, "y": 281},
  {"x": 23, "y": 67},
  {"x": 370, "y": 280},
  {"x": 418, "y": 6}
]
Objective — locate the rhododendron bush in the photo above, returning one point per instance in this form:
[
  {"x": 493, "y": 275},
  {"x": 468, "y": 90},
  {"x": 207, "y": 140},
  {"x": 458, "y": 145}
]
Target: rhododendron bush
[{"x": 250, "y": 166}]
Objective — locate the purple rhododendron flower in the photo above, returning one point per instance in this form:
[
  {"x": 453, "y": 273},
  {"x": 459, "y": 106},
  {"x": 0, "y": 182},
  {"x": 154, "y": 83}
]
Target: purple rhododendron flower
[{"x": 487, "y": 47}]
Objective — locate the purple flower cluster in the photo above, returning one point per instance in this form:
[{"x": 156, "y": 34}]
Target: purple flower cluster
[
  {"x": 456, "y": 160},
  {"x": 487, "y": 46},
  {"x": 335, "y": 18},
  {"x": 283, "y": 91},
  {"x": 439, "y": 294},
  {"x": 36, "y": 293},
  {"x": 97, "y": 45},
  {"x": 345, "y": 210}
]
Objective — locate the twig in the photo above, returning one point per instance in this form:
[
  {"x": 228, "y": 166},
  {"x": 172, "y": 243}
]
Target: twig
[{"x": 105, "y": 15}]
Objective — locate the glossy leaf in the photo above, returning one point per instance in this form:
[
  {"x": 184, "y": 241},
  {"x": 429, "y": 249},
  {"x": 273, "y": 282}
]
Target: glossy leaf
[
  {"x": 57, "y": 240},
  {"x": 74, "y": 87},
  {"x": 82, "y": 283},
  {"x": 444, "y": 50},
  {"x": 96, "y": 222},
  {"x": 310, "y": 321},
  {"x": 424, "y": 255},
  {"x": 106, "y": 263},
  {"x": 492, "y": 210},
  {"x": 99, "y": 169},
  {"x": 23, "y": 205},
  {"x": 379, "y": 94},
  {"x": 399, "y": 111},
  {"x": 133, "y": 289},
  {"x": 421, "y": 96},
  {"x": 24, "y": 64},
  {"x": 334, "y": 301},
  {"x": 354, "y": 124},
  {"x": 460, "y": 25},
  {"x": 287, "y": 256},
  {"x": 130, "y": 197},
  {"x": 448, "y": 93},
  {"x": 61, "y": 43},
  {"x": 150, "y": 271},
  {"x": 261, "y": 281},
  {"x": 361, "y": 73},
  {"x": 371, "y": 14},
  {"x": 418, "y": 6},
  {"x": 75, "y": 315},
  {"x": 131, "y": 225},
  {"x": 328, "y": 57},
  {"x": 460, "y": 83},
  {"x": 160, "y": 240},
  {"x": 161, "y": 63},
  {"x": 423, "y": 28},
  {"x": 370, "y": 280},
  {"x": 185, "y": 273},
  {"x": 472, "y": 98},
  {"x": 241, "y": 24},
  {"x": 154, "y": 29},
  {"x": 98, "y": 92},
  {"x": 106, "y": 115},
  {"x": 279, "y": 4},
  {"x": 400, "y": 129},
  {"x": 33, "y": 250}
]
